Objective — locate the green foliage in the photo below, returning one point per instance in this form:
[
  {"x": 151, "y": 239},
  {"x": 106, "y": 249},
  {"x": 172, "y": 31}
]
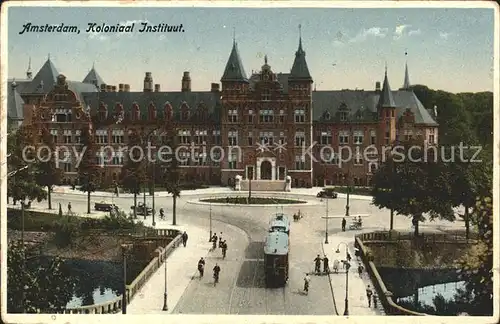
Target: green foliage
[
  {"x": 35, "y": 286},
  {"x": 134, "y": 171},
  {"x": 67, "y": 229},
  {"x": 23, "y": 168},
  {"x": 48, "y": 174},
  {"x": 88, "y": 170},
  {"x": 413, "y": 188},
  {"x": 477, "y": 263},
  {"x": 362, "y": 191}
]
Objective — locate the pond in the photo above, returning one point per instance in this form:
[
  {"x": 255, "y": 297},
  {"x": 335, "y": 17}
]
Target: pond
[
  {"x": 98, "y": 281},
  {"x": 425, "y": 295}
]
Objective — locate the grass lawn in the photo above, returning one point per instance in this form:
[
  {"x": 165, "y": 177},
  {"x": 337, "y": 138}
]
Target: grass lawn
[
  {"x": 362, "y": 191},
  {"x": 253, "y": 201}
]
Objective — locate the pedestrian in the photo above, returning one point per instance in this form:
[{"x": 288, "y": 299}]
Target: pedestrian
[
  {"x": 348, "y": 257},
  {"x": 220, "y": 240},
  {"x": 227, "y": 200},
  {"x": 369, "y": 294},
  {"x": 343, "y": 224},
  {"x": 214, "y": 238},
  {"x": 360, "y": 269},
  {"x": 317, "y": 264},
  {"x": 336, "y": 265},
  {"x": 184, "y": 238},
  {"x": 69, "y": 207},
  {"x": 326, "y": 268},
  {"x": 375, "y": 300}
]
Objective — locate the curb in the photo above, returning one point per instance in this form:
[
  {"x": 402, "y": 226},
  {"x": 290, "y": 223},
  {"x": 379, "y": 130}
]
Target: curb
[{"x": 197, "y": 202}]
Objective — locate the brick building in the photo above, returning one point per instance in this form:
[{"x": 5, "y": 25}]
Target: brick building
[{"x": 280, "y": 110}]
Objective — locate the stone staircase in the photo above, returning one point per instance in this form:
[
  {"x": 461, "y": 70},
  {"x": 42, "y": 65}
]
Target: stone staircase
[{"x": 264, "y": 185}]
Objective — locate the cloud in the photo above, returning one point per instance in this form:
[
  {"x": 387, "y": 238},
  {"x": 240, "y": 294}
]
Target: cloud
[
  {"x": 371, "y": 32},
  {"x": 414, "y": 32},
  {"x": 399, "y": 31},
  {"x": 444, "y": 35}
]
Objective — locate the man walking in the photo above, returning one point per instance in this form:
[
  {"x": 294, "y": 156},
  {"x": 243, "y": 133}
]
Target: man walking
[
  {"x": 184, "y": 238},
  {"x": 343, "y": 224},
  {"x": 69, "y": 207},
  {"x": 369, "y": 294},
  {"x": 326, "y": 268}
]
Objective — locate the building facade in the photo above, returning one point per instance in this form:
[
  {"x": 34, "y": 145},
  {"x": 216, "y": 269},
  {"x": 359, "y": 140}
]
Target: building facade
[{"x": 265, "y": 126}]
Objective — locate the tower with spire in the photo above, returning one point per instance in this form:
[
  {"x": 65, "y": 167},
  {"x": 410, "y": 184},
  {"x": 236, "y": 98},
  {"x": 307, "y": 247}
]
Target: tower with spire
[
  {"x": 386, "y": 108},
  {"x": 234, "y": 76},
  {"x": 93, "y": 77},
  {"x": 299, "y": 75},
  {"x": 406, "y": 82},
  {"x": 29, "y": 73}
]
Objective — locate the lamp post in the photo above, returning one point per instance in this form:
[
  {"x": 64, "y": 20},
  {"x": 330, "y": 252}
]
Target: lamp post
[
  {"x": 326, "y": 222},
  {"x": 153, "y": 184},
  {"x": 124, "y": 247},
  {"x": 347, "y": 266},
  {"x": 165, "y": 293},
  {"x": 348, "y": 191},
  {"x": 210, "y": 216}
]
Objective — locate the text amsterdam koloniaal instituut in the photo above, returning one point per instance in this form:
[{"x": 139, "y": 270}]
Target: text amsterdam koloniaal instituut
[{"x": 143, "y": 27}]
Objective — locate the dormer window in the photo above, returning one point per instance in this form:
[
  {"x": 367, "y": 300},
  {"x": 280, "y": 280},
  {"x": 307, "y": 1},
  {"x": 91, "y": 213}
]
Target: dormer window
[
  {"x": 103, "y": 112},
  {"x": 327, "y": 116},
  {"x": 152, "y": 111},
  {"x": 136, "y": 113},
  {"x": 343, "y": 116},
  {"x": 168, "y": 111},
  {"x": 185, "y": 111}
]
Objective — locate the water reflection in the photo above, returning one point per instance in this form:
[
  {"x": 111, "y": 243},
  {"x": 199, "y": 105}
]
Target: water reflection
[{"x": 426, "y": 295}]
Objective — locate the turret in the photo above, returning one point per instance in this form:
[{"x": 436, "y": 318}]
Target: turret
[
  {"x": 386, "y": 109},
  {"x": 234, "y": 73}
]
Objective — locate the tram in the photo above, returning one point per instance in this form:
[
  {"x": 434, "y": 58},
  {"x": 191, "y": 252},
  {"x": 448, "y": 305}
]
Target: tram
[
  {"x": 280, "y": 223},
  {"x": 276, "y": 250}
]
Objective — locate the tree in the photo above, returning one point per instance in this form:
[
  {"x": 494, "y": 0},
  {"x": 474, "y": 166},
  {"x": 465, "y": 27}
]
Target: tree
[
  {"x": 413, "y": 188},
  {"x": 48, "y": 174},
  {"x": 88, "y": 171},
  {"x": 133, "y": 172},
  {"x": 476, "y": 265},
  {"x": 43, "y": 286},
  {"x": 22, "y": 168},
  {"x": 171, "y": 177}
]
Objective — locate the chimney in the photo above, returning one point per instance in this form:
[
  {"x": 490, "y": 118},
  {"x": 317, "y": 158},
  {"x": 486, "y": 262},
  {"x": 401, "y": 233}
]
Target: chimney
[
  {"x": 126, "y": 88},
  {"x": 148, "y": 82},
  {"x": 109, "y": 88},
  {"x": 157, "y": 88},
  {"x": 113, "y": 88},
  {"x": 103, "y": 87},
  {"x": 186, "y": 82},
  {"x": 377, "y": 86},
  {"x": 120, "y": 87},
  {"x": 214, "y": 87}
]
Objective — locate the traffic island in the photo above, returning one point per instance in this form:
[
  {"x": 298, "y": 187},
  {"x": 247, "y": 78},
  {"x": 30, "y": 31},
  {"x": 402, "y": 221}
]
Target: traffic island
[{"x": 253, "y": 201}]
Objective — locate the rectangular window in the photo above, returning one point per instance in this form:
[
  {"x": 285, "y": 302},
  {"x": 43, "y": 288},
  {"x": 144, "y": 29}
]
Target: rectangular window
[
  {"x": 232, "y": 116},
  {"x": 326, "y": 138},
  {"x": 78, "y": 138},
  {"x": 200, "y": 137},
  {"x": 343, "y": 137},
  {"x": 266, "y": 138},
  {"x": 215, "y": 158},
  {"x": 266, "y": 96},
  {"x": 300, "y": 162},
  {"x": 343, "y": 116},
  {"x": 358, "y": 160},
  {"x": 431, "y": 138},
  {"x": 250, "y": 117},
  {"x": 216, "y": 138},
  {"x": 232, "y": 138},
  {"x": 282, "y": 138},
  {"x": 54, "y": 134},
  {"x": 373, "y": 137},
  {"x": 250, "y": 139},
  {"x": 184, "y": 137},
  {"x": 330, "y": 158},
  {"x": 232, "y": 159},
  {"x": 358, "y": 137},
  {"x": 117, "y": 136},
  {"x": 300, "y": 115},
  {"x": 266, "y": 116}
]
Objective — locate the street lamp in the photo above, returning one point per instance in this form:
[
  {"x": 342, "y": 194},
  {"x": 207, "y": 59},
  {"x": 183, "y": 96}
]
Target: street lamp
[
  {"x": 348, "y": 191},
  {"x": 326, "y": 222},
  {"x": 347, "y": 266},
  {"x": 210, "y": 215},
  {"x": 165, "y": 294},
  {"x": 125, "y": 248}
]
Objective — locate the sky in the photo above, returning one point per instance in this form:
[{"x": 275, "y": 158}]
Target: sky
[{"x": 448, "y": 49}]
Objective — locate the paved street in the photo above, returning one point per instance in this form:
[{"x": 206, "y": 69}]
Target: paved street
[{"x": 241, "y": 289}]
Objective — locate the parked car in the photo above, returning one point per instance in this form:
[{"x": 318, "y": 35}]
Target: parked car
[
  {"x": 104, "y": 206},
  {"x": 143, "y": 210},
  {"x": 327, "y": 193}
]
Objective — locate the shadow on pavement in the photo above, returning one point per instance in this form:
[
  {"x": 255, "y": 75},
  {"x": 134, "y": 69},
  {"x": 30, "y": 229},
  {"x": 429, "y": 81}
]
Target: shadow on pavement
[
  {"x": 251, "y": 275},
  {"x": 254, "y": 250}
]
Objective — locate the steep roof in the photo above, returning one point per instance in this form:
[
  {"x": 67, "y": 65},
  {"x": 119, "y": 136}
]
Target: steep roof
[
  {"x": 15, "y": 104},
  {"x": 234, "y": 70},
  {"x": 46, "y": 75},
  {"x": 282, "y": 78},
  {"x": 386, "y": 100},
  {"x": 361, "y": 106},
  {"x": 406, "y": 84},
  {"x": 93, "y": 75},
  {"x": 300, "y": 70},
  {"x": 159, "y": 99}
]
